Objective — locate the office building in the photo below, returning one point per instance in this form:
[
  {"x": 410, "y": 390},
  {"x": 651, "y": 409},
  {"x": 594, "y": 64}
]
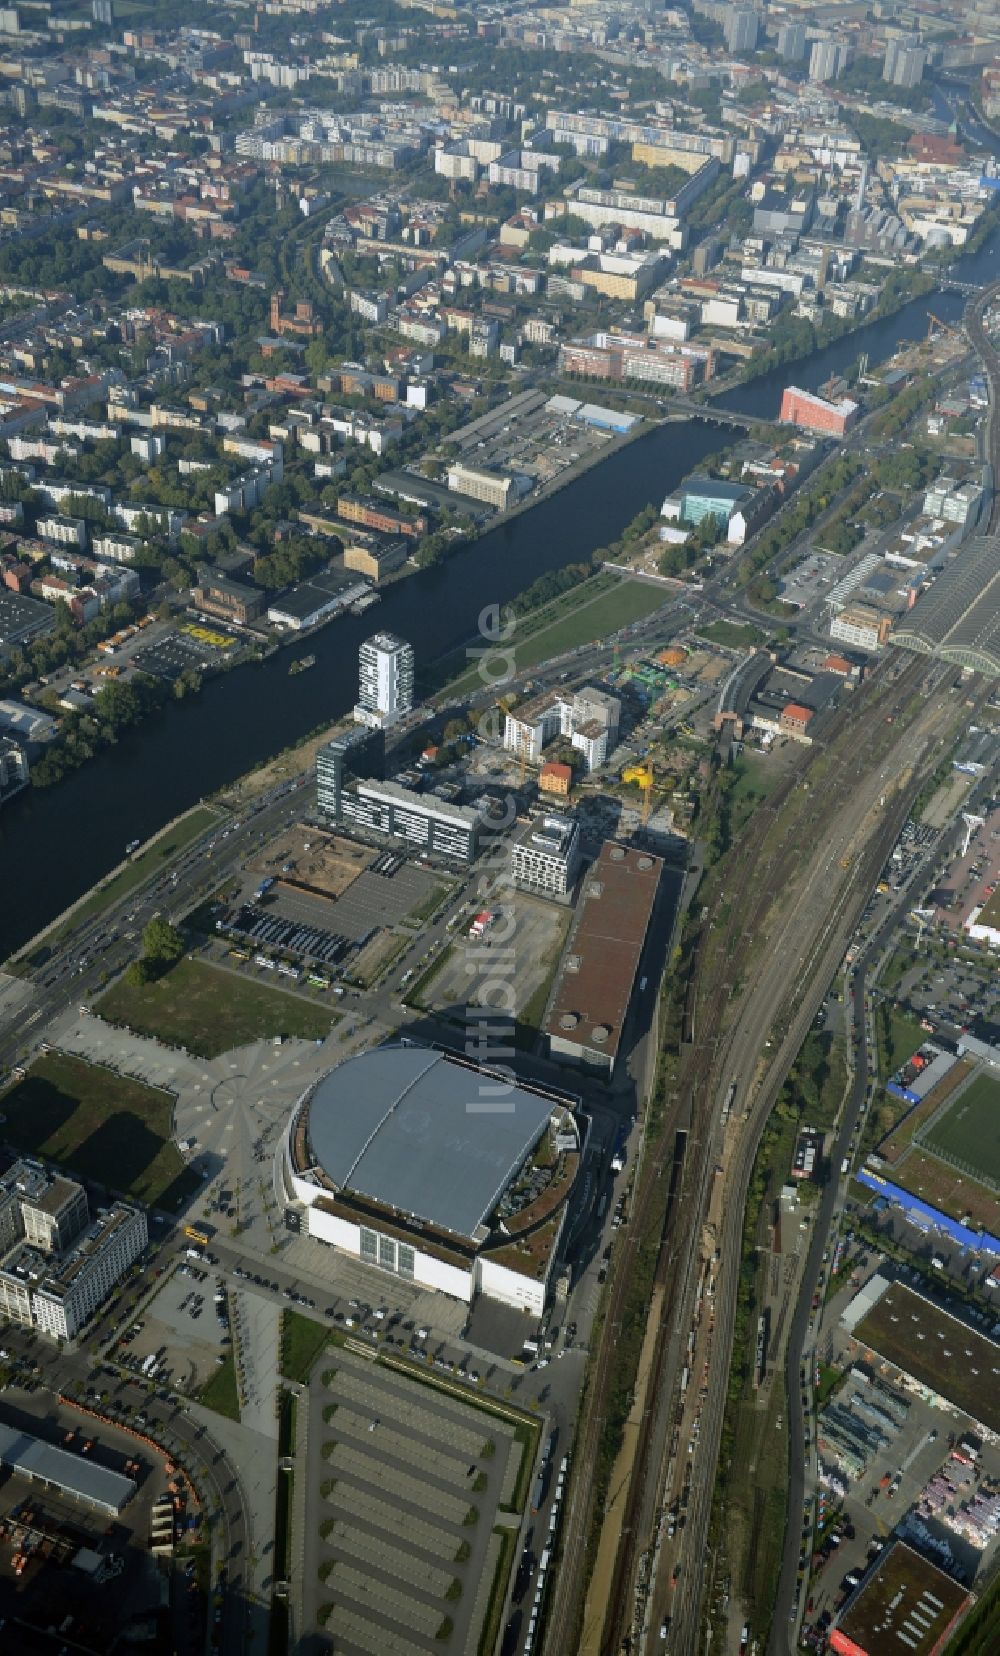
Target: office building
[
  {"x": 960, "y": 503},
  {"x": 358, "y": 753},
  {"x": 425, "y": 822},
  {"x": 862, "y": 626},
  {"x": 385, "y": 681},
  {"x": 812, "y": 413},
  {"x": 58, "y": 1263},
  {"x": 545, "y": 856},
  {"x": 742, "y": 26}
]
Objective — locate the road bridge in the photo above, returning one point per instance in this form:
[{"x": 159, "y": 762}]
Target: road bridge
[{"x": 709, "y": 412}]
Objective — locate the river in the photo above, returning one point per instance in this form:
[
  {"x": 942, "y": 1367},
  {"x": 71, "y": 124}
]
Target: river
[{"x": 57, "y": 842}]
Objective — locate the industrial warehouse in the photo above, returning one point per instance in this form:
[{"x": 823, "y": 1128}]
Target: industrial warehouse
[
  {"x": 592, "y": 993},
  {"x": 66, "y": 1474},
  {"x": 958, "y": 618},
  {"x": 442, "y": 1173}
]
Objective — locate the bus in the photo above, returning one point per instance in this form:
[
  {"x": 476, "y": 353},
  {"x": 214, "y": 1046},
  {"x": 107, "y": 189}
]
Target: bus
[{"x": 202, "y": 1237}]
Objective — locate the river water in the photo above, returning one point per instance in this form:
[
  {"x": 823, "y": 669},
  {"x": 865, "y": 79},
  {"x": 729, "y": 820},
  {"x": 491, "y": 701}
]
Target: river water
[{"x": 57, "y": 842}]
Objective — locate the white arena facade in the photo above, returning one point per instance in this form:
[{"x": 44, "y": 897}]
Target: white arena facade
[{"x": 425, "y": 1166}]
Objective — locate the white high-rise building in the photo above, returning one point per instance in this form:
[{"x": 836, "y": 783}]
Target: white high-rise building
[
  {"x": 385, "y": 680},
  {"x": 742, "y": 29}
]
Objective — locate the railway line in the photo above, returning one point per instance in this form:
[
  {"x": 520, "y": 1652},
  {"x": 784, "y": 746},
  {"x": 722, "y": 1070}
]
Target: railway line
[{"x": 763, "y": 869}]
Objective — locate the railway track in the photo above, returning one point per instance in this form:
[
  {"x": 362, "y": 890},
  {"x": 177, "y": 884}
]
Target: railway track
[{"x": 737, "y": 922}]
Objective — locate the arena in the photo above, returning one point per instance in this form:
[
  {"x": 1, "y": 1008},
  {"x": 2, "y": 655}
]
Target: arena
[{"x": 419, "y": 1163}]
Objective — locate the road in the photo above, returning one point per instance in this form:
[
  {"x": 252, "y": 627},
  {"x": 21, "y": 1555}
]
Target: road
[{"x": 982, "y": 343}]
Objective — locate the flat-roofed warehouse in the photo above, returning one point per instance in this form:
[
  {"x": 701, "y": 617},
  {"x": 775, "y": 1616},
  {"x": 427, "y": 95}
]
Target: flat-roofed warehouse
[
  {"x": 419, "y": 1162},
  {"x": 905, "y": 1606},
  {"x": 958, "y": 618},
  {"x": 591, "y": 998},
  {"x": 80, "y": 1480}
]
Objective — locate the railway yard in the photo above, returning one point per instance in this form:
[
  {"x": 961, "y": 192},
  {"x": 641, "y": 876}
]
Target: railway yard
[{"x": 770, "y": 935}]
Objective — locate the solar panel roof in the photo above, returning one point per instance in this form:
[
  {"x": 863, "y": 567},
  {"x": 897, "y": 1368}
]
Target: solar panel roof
[{"x": 423, "y": 1133}]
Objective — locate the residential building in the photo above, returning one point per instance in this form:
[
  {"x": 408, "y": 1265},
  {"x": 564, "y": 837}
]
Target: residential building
[
  {"x": 545, "y": 856},
  {"x": 555, "y": 778},
  {"x": 385, "y": 681},
  {"x": 65, "y": 531},
  {"x": 589, "y": 717},
  {"x": 828, "y": 59},
  {"x": 14, "y": 773},
  {"x": 904, "y": 62},
  {"x": 742, "y": 27},
  {"x": 59, "y": 1264},
  {"x": 792, "y": 42}
]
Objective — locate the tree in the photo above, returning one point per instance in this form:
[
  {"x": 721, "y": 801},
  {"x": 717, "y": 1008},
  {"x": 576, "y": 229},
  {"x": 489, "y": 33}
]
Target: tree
[{"x": 162, "y": 943}]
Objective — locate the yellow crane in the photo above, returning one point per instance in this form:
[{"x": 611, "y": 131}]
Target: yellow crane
[
  {"x": 642, "y": 775},
  {"x": 936, "y": 326}
]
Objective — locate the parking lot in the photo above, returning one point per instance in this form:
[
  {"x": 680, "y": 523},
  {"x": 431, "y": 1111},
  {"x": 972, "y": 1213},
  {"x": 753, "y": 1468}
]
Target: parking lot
[
  {"x": 181, "y": 1327},
  {"x": 477, "y": 971},
  {"x": 408, "y": 1485},
  {"x": 175, "y": 654}
]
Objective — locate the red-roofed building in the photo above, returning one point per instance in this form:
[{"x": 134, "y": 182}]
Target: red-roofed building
[
  {"x": 555, "y": 778},
  {"x": 795, "y": 717}
]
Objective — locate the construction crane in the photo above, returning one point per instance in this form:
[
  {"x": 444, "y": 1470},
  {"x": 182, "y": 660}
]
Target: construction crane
[
  {"x": 936, "y": 326},
  {"x": 642, "y": 775}
]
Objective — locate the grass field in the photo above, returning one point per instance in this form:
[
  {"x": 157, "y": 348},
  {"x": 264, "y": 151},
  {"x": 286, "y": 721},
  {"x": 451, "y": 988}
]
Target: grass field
[
  {"x": 220, "y": 1392},
  {"x": 901, "y": 1036},
  {"x": 593, "y": 617},
  {"x": 99, "y": 1125},
  {"x": 969, "y": 1129},
  {"x": 302, "y": 1340},
  {"x": 899, "y": 1140},
  {"x": 140, "y": 868},
  {"x": 731, "y": 633},
  {"x": 209, "y": 1011}
]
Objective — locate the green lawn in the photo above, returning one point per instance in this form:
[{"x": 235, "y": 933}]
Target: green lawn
[
  {"x": 139, "y": 869},
  {"x": 591, "y": 619},
  {"x": 220, "y": 1392},
  {"x": 731, "y": 633},
  {"x": 302, "y": 1340},
  {"x": 902, "y": 1035},
  {"x": 99, "y": 1125},
  {"x": 970, "y": 1130},
  {"x": 208, "y": 1010}
]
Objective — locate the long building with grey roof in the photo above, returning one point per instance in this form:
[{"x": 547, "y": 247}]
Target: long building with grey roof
[{"x": 958, "y": 618}]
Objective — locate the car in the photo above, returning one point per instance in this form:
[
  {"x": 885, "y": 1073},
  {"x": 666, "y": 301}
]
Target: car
[{"x": 664, "y": 1627}]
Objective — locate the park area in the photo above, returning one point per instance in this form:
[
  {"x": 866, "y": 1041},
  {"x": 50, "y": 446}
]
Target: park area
[
  {"x": 968, "y": 1133},
  {"x": 207, "y": 1010},
  {"x": 100, "y": 1126}
]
